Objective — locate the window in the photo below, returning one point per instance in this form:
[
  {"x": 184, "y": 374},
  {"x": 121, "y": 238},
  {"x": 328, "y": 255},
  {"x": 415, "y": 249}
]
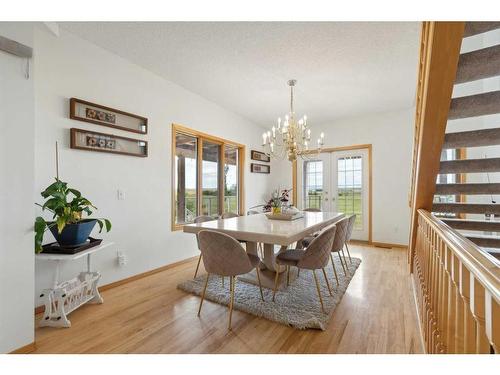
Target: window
[
  {"x": 210, "y": 178},
  {"x": 313, "y": 183},
  {"x": 349, "y": 187},
  {"x": 185, "y": 169},
  {"x": 207, "y": 176},
  {"x": 450, "y": 178},
  {"x": 231, "y": 180}
]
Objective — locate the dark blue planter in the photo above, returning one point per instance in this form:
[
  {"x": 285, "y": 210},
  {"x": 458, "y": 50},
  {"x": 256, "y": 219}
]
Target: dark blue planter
[{"x": 73, "y": 234}]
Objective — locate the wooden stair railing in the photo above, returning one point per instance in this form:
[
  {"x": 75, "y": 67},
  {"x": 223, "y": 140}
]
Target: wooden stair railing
[
  {"x": 457, "y": 284},
  {"x": 457, "y": 288}
]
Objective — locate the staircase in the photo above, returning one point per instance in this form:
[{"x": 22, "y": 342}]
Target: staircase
[{"x": 466, "y": 199}]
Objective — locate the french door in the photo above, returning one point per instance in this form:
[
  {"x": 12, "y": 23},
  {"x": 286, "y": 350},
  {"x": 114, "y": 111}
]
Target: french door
[{"x": 337, "y": 181}]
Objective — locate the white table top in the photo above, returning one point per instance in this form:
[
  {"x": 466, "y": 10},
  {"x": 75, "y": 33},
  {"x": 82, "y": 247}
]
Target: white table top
[
  {"x": 258, "y": 228},
  {"x": 81, "y": 254}
]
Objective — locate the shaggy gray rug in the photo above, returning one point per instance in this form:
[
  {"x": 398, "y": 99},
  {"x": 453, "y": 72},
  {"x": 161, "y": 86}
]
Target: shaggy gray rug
[{"x": 297, "y": 306}]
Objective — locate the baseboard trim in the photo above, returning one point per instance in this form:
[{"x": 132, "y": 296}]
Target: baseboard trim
[
  {"x": 26, "y": 349},
  {"x": 389, "y": 245},
  {"x": 41, "y": 309},
  {"x": 385, "y": 245}
]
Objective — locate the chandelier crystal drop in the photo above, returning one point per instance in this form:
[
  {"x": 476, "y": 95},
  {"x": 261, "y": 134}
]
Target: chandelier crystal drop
[{"x": 290, "y": 137}]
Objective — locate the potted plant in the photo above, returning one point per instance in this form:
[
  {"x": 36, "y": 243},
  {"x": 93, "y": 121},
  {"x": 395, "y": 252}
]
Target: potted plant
[
  {"x": 279, "y": 199},
  {"x": 68, "y": 226},
  {"x": 276, "y": 205}
]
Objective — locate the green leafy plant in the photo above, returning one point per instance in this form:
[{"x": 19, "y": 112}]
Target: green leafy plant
[{"x": 67, "y": 206}]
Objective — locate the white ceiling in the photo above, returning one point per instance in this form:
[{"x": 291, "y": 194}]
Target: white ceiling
[{"x": 343, "y": 68}]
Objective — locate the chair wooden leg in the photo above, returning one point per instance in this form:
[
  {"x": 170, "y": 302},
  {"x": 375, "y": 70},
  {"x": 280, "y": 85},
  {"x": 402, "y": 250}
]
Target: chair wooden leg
[
  {"x": 197, "y": 267},
  {"x": 260, "y": 285},
  {"x": 319, "y": 291},
  {"x": 287, "y": 275},
  {"x": 334, "y": 269},
  {"x": 342, "y": 263},
  {"x": 222, "y": 278},
  {"x": 276, "y": 283},
  {"x": 327, "y": 283},
  {"x": 298, "y": 272},
  {"x": 232, "y": 282},
  {"x": 348, "y": 253},
  {"x": 203, "y": 294}
]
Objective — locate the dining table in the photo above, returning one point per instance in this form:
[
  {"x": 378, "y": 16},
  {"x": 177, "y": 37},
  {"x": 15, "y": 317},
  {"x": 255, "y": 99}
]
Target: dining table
[{"x": 275, "y": 235}]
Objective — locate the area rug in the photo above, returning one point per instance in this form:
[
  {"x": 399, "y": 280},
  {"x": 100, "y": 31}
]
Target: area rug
[{"x": 297, "y": 306}]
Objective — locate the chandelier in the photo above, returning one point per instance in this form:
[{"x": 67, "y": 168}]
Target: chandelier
[{"x": 290, "y": 137}]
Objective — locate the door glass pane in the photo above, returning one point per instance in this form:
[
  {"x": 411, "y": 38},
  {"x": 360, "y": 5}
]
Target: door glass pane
[
  {"x": 185, "y": 178},
  {"x": 231, "y": 173},
  {"x": 313, "y": 184},
  {"x": 349, "y": 187},
  {"x": 210, "y": 178}
]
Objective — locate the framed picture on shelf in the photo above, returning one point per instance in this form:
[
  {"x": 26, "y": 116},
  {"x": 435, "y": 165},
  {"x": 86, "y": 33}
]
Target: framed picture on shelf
[
  {"x": 260, "y": 156},
  {"x": 114, "y": 118},
  {"x": 101, "y": 142},
  {"x": 260, "y": 168}
]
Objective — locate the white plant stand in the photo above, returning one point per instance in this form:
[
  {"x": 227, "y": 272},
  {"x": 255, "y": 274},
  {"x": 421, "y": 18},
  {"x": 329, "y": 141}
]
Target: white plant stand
[{"x": 66, "y": 296}]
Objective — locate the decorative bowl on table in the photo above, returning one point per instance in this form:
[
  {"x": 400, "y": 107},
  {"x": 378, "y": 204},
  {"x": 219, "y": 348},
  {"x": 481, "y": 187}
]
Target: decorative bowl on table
[{"x": 289, "y": 213}]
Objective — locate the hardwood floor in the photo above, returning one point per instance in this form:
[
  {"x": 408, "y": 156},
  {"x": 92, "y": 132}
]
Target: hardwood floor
[{"x": 150, "y": 315}]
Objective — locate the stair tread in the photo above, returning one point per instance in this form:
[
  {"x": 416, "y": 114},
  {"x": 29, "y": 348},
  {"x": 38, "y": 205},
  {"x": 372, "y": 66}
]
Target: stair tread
[
  {"x": 470, "y": 220},
  {"x": 475, "y": 105},
  {"x": 483, "y": 236},
  {"x": 484, "y": 240},
  {"x": 474, "y": 28},
  {"x": 470, "y": 166},
  {"x": 472, "y": 138},
  {"x": 478, "y": 64},
  {"x": 468, "y": 189},
  {"x": 471, "y": 208},
  {"x": 473, "y": 225}
]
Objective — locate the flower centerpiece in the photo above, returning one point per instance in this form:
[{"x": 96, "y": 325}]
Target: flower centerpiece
[{"x": 279, "y": 199}]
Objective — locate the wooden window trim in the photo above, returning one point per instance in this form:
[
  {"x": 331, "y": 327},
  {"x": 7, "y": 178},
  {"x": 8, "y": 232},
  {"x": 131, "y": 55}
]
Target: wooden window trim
[{"x": 200, "y": 136}]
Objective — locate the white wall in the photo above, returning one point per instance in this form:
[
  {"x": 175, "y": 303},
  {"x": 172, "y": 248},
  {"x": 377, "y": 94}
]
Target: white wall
[
  {"x": 391, "y": 136},
  {"x": 68, "y": 66},
  {"x": 16, "y": 194}
]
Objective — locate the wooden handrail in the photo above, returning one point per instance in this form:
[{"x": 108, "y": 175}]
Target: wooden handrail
[{"x": 457, "y": 288}]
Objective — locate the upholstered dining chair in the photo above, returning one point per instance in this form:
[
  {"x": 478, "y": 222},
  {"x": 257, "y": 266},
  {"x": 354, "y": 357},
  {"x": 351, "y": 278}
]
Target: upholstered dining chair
[
  {"x": 305, "y": 241},
  {"x": 200, "y": 219},
  {"x": 338, "y": 245},
  {"x": 224, "y": 256},
  {"x": 228, "y": 215},
  {"x": 350, "y": 227},
  {"x": 313, "y": 258}
]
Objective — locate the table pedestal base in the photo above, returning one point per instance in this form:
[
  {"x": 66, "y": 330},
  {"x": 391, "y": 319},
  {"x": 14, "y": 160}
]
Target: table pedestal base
[{"x": 267, "y": 278}]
